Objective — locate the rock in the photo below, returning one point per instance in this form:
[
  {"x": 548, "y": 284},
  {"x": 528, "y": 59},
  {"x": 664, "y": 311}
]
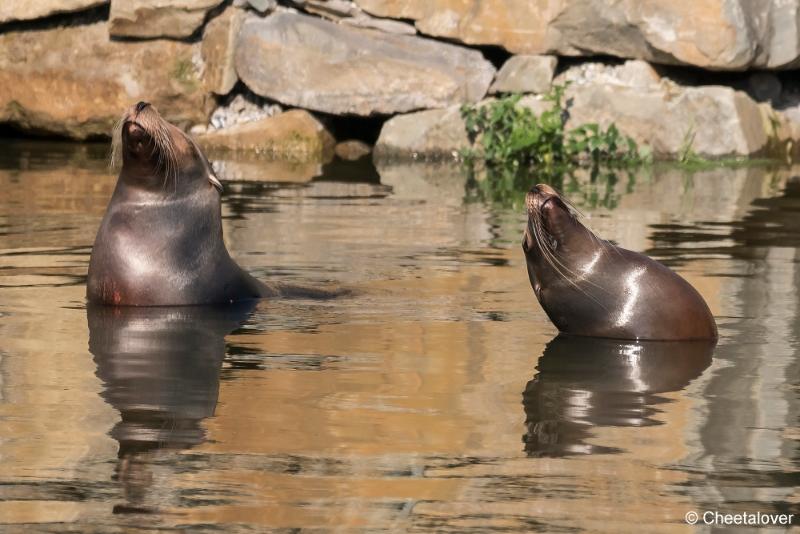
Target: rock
[
  {"x": 431, "y": 134},
  {"x": 434, "y": 134},
  {"x": 715, "y": 34},
  {"x": 219, "y": 40},
  {"x": 783, "y": 132},
  {"x": 294, "y": 135},
  {"x": 94, "y": 79},
  {"x": 713, "y": 121},
  {"x": 158, "y": 18},
  {"x": 11, "y": 10},
  {"x": 240, "y": 109},
  {"x": 525, "y": 74},
  {"x": 632, "y": 73},
  {"x": 315, "y": 64},
  {"x": 352, "y": 150}
]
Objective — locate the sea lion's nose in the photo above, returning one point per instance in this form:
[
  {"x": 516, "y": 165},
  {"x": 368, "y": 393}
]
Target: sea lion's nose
[
  {"x": 134, "y": 131},
  {"x": 545, "y": 189},
  {"x": 141, "y": 105}
]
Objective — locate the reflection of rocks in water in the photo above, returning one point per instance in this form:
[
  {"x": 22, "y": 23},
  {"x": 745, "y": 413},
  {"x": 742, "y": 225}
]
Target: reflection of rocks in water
[
  {"x": 587, "y": 382},
  {"x": 773, "y": 221},
  {"x": 160, "y": 367},
  {"x": 237, "y": 167},
  {"x": 767, "y": 221},
  {"x": 440, "y": 182}
]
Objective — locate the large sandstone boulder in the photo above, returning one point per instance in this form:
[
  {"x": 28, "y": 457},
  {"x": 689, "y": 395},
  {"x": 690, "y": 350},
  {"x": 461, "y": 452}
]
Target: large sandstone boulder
[
  {"x": 74, "y": 81},
  {"x": 716, "y": 34},
  {"x": 11, "y": 10},
  {"x": 294, "y": 135},
  {"x": 315, "y": 64},
  {"x": 711, "y": 121},
  {"x": 158, "y": 18}
]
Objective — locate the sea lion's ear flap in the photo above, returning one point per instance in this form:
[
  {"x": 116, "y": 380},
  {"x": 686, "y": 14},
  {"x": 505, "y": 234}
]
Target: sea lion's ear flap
[{"x": 215, "y": 182}]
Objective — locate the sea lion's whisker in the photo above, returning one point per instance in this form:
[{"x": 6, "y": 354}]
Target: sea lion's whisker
[
  {"x": 544, "y": 246},
  {"x": 115, "y": 156}
]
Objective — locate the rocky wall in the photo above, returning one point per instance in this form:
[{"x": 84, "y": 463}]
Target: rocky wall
[{"x": 272, "y": 76}]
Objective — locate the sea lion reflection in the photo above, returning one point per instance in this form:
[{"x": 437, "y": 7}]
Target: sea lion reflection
[
  {"x": 585, "y": 382},
  {"x": 160, "y": 367}
]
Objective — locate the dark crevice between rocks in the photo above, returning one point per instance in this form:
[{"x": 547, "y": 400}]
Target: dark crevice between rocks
[
  {"x": 496, "y": 55},
  {"x": 58, "y": 20},
  {"x": 346, "y": 127},
  {"x": 214, "y": 13}
]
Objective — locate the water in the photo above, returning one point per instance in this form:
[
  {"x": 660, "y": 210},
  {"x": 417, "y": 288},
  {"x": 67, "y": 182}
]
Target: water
[{"x": 438, "y": 398}]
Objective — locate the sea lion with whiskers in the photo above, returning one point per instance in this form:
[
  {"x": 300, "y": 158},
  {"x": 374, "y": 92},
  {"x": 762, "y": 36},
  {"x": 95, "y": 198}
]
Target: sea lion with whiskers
[
  {"x": 590, "y": 287},
  {"x": 160, "y": 242}
]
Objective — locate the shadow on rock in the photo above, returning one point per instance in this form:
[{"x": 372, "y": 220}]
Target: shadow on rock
[
  {"x": 160, "y": 369},
  {"x": 586, "y": 382}
]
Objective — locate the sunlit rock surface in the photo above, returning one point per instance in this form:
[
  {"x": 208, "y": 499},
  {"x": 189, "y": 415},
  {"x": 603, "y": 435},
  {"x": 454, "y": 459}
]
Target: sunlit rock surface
[
  {"x": 433, "y": 133},
  {"x": 714, "y": 34},
  {"x": 294, "y": 134},
  {"x": 74, "y": 81},
  {"x": 315, "y": 64},
  {"x": 712, "y": 121},
  {"x": 525, "y": 74},
  {"x": 219, "y": 39},
  {"x": 158, "y": 18},
  {"x": 352, "y": 150}
]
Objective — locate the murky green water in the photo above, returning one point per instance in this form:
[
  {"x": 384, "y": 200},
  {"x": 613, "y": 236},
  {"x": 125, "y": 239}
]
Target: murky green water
[{"x": 435, "y": 399}]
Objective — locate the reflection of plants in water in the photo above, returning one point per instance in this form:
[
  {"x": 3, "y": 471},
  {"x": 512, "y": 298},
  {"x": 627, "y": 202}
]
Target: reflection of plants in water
[{"x": 591, "y": 188}]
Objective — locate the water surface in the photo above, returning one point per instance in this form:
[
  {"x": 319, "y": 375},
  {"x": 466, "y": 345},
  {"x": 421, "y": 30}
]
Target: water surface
[{"x": 437, "y": 398}]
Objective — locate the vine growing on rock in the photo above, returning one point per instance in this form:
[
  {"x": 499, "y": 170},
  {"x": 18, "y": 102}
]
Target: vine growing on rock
[{"x": 505, "y": 133}]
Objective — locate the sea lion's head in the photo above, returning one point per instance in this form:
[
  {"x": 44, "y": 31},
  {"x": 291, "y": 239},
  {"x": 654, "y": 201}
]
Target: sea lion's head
[
  {"x": 554, "y": 238},
  {"x": 155, "y": 154},
  {"x": 552, "y": 222}
]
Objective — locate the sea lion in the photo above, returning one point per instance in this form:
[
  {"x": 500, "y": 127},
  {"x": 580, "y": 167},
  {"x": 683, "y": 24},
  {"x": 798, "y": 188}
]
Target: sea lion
[
  {"x": 160, "y": 242},
  {"x": 590, "y": 287}
]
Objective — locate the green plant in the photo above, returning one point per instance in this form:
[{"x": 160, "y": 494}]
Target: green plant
[
  {"x": 509, "y": 133},
  {"x": 686, "y": 153}
]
